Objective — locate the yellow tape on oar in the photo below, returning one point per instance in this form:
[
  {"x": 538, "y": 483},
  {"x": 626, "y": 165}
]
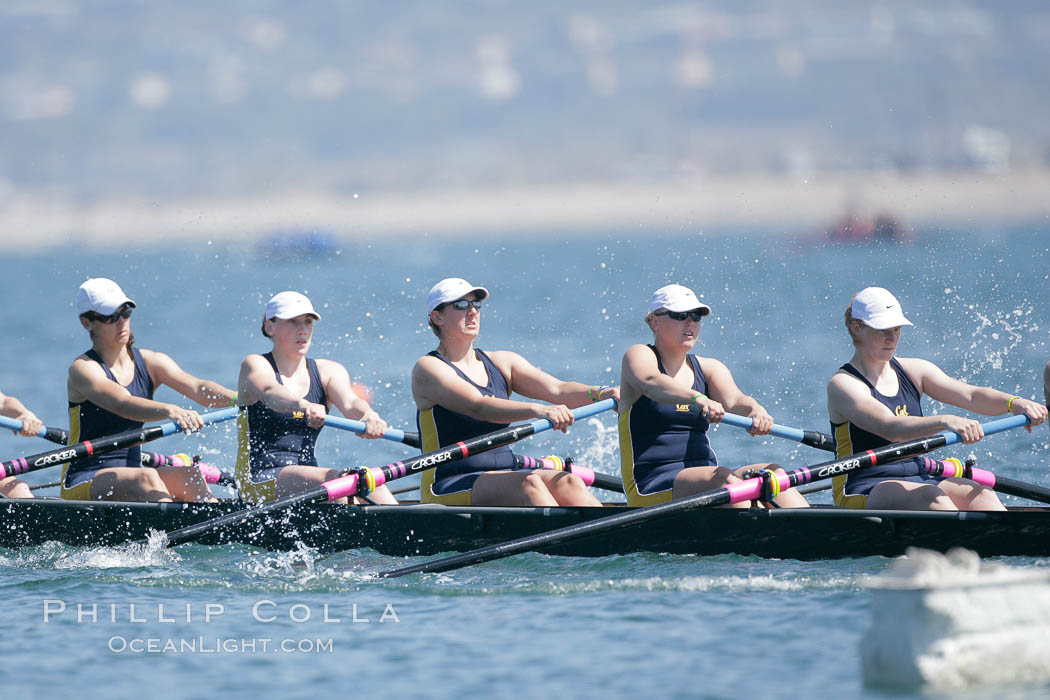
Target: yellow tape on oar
[{"x": 771, "y": 480}]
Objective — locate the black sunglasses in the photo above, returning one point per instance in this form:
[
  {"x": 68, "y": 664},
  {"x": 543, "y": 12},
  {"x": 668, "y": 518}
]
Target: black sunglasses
[
  {"x": 681, "y": 315},
  {"x": 111, "y": 318},
  {"x": 463, "y": 304}
]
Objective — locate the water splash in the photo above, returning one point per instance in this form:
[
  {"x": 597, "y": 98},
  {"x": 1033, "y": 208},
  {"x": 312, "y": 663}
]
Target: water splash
[
  {"x": 602, "y": 454},
  {"x": 57, "y": 556}
]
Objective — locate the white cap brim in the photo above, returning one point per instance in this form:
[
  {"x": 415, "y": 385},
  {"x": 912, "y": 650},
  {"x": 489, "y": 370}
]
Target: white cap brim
[
  {"x": 881, "y": 322},
  {"x": 452, "y": 289},
  {"x": 286, "y": 305},
  {"x": 102, "y": 296}
]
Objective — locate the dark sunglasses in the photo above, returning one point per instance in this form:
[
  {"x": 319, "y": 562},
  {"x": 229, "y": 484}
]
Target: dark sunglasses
[
  {"x": 111, "y": 318},
  {"x": 463, "y": 304},
  {"x": 681, "y": 315}
]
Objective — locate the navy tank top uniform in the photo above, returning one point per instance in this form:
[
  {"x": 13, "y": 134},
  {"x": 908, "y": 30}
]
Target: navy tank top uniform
[
  {"x": 439, "y": 426},
  {"x": 276, "y": 439},
  {"x": 88, "y": 421},
  {"x": 659, "y": 440},
  {"x": 851, "y": 490}
]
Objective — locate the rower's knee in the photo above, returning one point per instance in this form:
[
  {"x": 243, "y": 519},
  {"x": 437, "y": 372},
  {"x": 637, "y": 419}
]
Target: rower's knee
[
  {"x": 535, "y": 488},
  {"x": 723, "y": 475},
  {"x": 568, "y": 483},
  {"x": 15, "y": 488},
  {"x": 984, "y": 499},
  {"x": 942, "y": 502},
  {"x": 150, "y": 486}
]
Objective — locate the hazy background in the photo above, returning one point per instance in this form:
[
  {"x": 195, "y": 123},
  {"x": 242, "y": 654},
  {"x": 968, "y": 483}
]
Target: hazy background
[{"x": 123, "y": 119}]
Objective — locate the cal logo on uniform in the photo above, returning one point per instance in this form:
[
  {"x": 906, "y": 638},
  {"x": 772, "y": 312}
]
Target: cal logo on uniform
[
  {"x": 901, "y": 410},
  {"x": 683, "y": 407}
]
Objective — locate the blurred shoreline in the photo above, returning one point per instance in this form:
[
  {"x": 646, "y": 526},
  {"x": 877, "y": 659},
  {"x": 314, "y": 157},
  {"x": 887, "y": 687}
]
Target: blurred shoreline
[{"x": 769, "y": 204}]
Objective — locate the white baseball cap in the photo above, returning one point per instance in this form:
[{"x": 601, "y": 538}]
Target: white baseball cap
[
  {"x": 675, "y": 297},
  {"x": 286, "y": 305},
  {"x": 451, "y": 289},
  {"x": 101, "y": 295},
  {"x": 876, "y": 307}
]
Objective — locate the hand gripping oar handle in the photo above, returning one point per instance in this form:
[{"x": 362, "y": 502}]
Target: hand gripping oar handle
[
  {"x": 821, "y": 441},
  {"x": 99, "y": 446},
  {"x": 356, "y": 426},
  {"x": 748, "y": 489},
  {"x": 348, "y": 485},
  {"x": 53, "y": 434}
]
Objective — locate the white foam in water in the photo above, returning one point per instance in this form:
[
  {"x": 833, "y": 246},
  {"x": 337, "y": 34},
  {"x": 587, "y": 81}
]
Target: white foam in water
[
  {"x": 601, "y": 454},
  {"x": 299, "y": 562},
  {"x": 133, "y": 554},
  {"x": 952, "y": 622}
]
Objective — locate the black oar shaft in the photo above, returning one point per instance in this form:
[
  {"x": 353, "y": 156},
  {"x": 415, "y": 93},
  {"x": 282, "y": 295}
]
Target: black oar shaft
[
  {"x": 723, "y": 496},
  {"x": 192, "y": 532},
  {"x": 554, "y": 537},
  {"x": 335, "y": 489},
  {"x": 1022, "y": 489},
  {"x": 822, "y": 441},
  {"x": 607, "y": 482},
  {"x": 56, "y": 435},
  {"x": 88, "y": 448},
  {"x": 349, "y": 485},
  {"x": 102, "y": 445}
]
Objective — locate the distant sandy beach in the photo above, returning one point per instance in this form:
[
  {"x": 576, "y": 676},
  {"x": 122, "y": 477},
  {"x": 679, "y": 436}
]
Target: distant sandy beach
[{"x": 30, "y": 223}]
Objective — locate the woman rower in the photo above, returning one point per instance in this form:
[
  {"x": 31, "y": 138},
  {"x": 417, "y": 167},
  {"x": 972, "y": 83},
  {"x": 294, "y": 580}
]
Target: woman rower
[
  {"x": 110, "y": 389},
  {"x": 10, "y": 486},
  {"x": 670, "y": 397},
  {"x": 462, "y": 392},
  {"x": 874, "y": 400},
  {"x": 286, "y": 396}
]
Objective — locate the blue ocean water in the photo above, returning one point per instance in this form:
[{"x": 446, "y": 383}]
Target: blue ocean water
[{"x": 530, "y": 625}]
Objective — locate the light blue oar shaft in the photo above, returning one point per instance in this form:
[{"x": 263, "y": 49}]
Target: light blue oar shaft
[
  {"x": 53, "y": 434},
  {"x": 990, "y": 428},
  {"x": 806, "y": 437},
  {"x": 356, "y": 426},
  {"x": 171, "y": 427},
  {"x": 102, "y": 445}
]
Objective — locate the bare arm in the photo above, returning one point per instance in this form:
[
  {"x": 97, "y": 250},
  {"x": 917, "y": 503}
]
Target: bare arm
[
  {"x": 257, "y": 383},
  {"x": 528, "y": 380},
  {"x": 849, "y": 399},
  {"x": 434, "y": 383},
  {"x": 723, "y": 388},
  {"x": 979, "y": 399},
  {"x": 88, "y": 381},
  {"x": 13, "y": 408},
  {"x": 166, "y": 371},
  {"x": 640, "y": 375},
  {"x": 342, "y": 395}
]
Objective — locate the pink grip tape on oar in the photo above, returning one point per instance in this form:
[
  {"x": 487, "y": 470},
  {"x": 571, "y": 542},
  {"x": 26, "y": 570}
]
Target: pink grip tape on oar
[{"x": 556, "y": 464}]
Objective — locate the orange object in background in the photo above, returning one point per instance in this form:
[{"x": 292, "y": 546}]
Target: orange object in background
[{"x": 362, "y": 390}]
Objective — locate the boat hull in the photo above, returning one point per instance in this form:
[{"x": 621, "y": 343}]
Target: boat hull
[{"x": 411, "y": 530}]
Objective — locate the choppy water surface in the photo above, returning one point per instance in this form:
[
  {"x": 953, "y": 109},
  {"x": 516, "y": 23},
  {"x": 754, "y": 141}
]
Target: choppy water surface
[{"x": 641, "y": 624}]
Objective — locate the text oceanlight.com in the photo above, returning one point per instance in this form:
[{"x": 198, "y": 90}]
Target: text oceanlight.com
[{"x": 217, "y": 645}]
